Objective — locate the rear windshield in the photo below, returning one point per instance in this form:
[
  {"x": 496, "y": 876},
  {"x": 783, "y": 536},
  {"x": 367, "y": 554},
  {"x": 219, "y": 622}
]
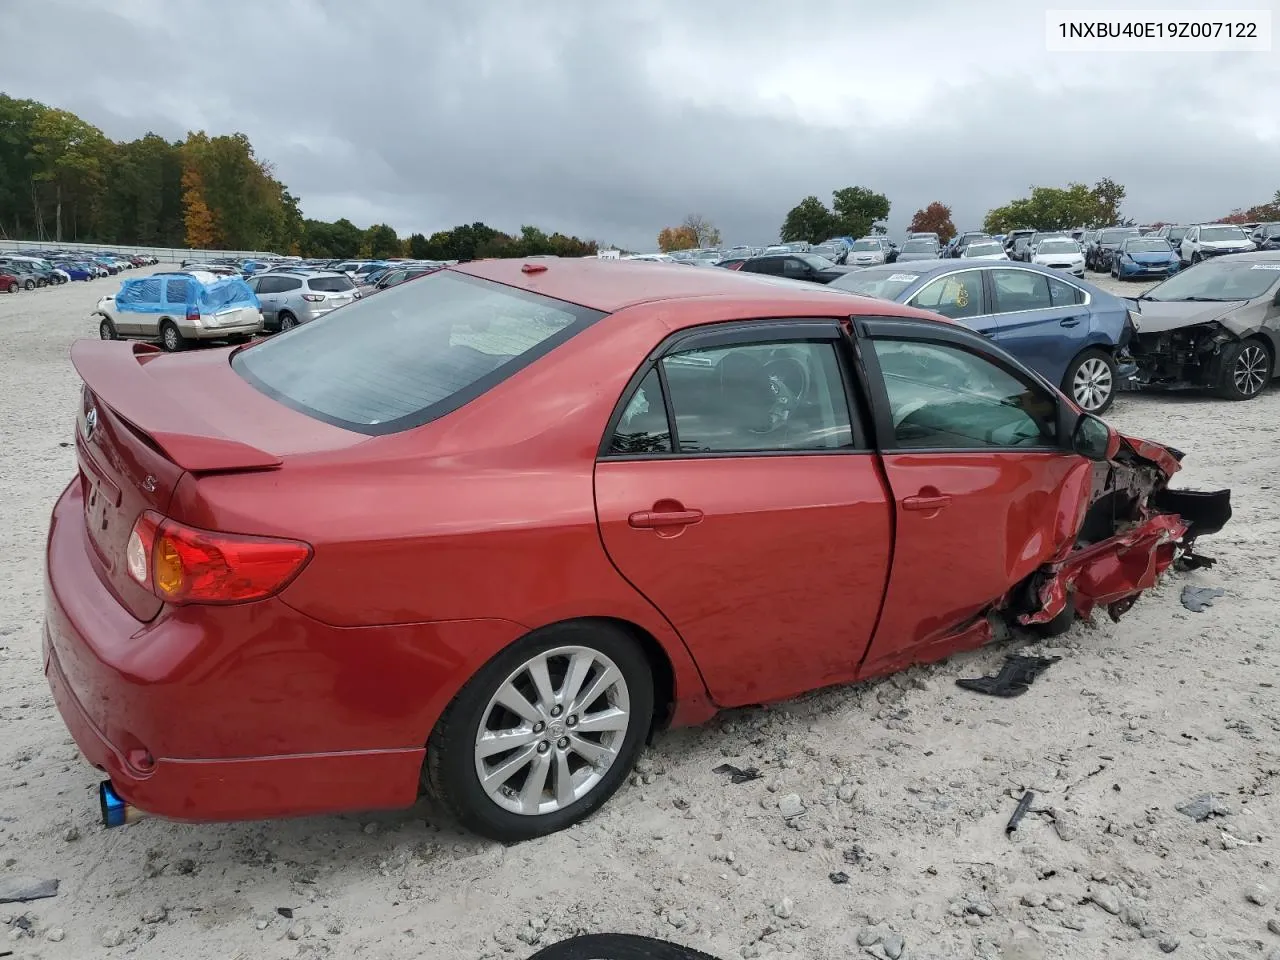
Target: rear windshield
[
  {"x": 412, "y": 353},
  {"x": 330, "y": 284}
]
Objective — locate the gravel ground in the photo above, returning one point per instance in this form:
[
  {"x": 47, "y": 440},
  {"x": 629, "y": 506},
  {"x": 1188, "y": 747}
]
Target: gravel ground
[{"x": 905, "y": 785}]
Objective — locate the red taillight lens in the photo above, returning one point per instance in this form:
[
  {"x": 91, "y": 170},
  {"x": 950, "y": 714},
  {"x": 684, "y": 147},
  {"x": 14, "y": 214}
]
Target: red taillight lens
[
  {"x": 313, "y": 297},
  {"x": 181, "y": 564},
  {"x": 193, "y": 314}
]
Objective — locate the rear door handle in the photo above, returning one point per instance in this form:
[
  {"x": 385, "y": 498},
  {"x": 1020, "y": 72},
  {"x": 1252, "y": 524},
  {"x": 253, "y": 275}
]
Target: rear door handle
[
  {"x": 1069, "y": 321},
  {"x": 655, "y": 519},
  {"x": 926, "y": 503}
]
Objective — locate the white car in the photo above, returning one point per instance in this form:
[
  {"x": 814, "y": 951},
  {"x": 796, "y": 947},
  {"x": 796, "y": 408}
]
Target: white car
[
  {"x": 984, "y": 250},
  {"x": 868, "y": 252},
  {"x": 1212, "y": 240},
  {"x": 1060, "y": 253}
]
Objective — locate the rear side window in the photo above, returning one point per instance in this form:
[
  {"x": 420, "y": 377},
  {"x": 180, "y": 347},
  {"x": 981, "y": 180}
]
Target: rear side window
[
  {"x": 175, "y": 291},
  {"x": 285, "y": 284},
  {"x": 1064, "y": 294},
  {"x": 412, "y": 353},
  {"x": 330, "y": 284}
]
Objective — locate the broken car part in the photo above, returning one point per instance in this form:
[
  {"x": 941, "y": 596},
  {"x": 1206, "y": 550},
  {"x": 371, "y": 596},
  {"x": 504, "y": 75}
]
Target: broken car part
[
  {"x": 1014, "y": 678},
  {"x": 1020, "y": 811}
]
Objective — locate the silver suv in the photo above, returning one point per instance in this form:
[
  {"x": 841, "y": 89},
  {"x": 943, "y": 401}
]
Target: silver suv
[{"x": 297, "y": 296}]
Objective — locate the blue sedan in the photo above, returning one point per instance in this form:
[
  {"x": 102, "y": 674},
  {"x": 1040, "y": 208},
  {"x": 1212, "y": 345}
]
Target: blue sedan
[
  {"x": 1073, "y": 333},
  {"x": 1145, "y": 257},
  {"x": 76, "y": 271}
]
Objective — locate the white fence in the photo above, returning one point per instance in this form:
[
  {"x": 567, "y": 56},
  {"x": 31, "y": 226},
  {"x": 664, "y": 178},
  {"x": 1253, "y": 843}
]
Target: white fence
[{"x": 163, "y": 254}]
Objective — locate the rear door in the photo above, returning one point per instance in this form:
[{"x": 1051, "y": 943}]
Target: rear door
[
  {"x": 268, "y": 290},
  {"x": 735, "y": 490},
  {"x": 1043, "y": 331},
  {"x": 961, "y": 296},
  {"x": 983, "y": 490}
]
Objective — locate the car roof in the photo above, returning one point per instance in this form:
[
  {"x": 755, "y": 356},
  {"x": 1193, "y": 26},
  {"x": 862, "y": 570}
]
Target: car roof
[
  {"x": 1252, "y": 256},
  {"x": 612, "y": 285}
]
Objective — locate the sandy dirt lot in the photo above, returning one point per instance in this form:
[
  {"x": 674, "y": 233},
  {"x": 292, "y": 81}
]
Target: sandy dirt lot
[{"x": 906, "y": 784}]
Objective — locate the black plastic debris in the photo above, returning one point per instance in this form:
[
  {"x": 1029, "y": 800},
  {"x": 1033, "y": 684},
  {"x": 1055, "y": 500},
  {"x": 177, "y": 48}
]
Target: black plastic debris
[
  {"x": 838, "y": 877},
  {"x": 1020, "y": 811},
  {"x": 738, "y": 775},
  {"x": 20, "y": 889},
  {"x": 1196, "y": 599},
  {"x": 618, "y": 946},
  {"x": 1014, "y": 678},
  {"x": 286, "y": 912}
]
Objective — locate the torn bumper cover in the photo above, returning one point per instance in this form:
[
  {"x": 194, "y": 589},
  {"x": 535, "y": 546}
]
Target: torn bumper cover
[{"x": 1150, "y": 527}]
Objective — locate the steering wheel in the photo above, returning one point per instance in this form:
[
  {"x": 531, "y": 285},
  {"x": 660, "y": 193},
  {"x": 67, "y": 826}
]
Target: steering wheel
[{"x": 789, "y": 381}]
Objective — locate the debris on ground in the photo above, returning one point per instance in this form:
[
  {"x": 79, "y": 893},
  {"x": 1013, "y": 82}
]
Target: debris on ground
[
  {"x": 1203, "y": 807},
  {"x": 1019, "y": 812},
  {"x": 1197, "y": 599},
  {"x": 1014, "y": 678},
  {"x": 21, "y": 889},
  {"x": 737, "y": 774},
  {"x": 838, "y": 877}
]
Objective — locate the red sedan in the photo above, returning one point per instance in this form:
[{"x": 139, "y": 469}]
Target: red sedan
[{"x": 485, "y": 532}]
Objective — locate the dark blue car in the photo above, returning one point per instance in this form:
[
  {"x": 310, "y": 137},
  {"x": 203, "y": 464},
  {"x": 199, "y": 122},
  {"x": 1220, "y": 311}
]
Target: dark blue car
[{"x": 1073, "y": 333}]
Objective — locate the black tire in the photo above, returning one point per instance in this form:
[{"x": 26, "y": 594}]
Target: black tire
[
  {"x": 13, "y": 287},
  {"x": 287, "y": 321},
  {"x": 450, "y": 774},
  {"x": 1061, "y": 623},
  {"x": 29, "y": 285},
  {"x": 1196, "y": 258},
  {"x": 171, "y": 338},
  {"x": 1097, "y": 370},
  {"x": 1245, "y": 369},
  {"x": 107, "y": 330}
]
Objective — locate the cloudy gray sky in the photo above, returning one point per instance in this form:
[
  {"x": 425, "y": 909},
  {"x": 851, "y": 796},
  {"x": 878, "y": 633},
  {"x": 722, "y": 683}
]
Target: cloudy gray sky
[{"x": 610, "y": 121}]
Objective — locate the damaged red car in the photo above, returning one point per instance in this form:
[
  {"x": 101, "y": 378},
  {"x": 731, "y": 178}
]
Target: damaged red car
[{"x": 482, "y": 534}]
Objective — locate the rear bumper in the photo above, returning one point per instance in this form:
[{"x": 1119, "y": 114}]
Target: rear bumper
[{"x": 171, "y": 709}]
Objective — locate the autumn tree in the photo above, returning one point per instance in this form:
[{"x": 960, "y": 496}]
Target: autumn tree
[
  {"x": 676, "y": 238},
  {"x": 381, "y": 241},
  {"x": 1258, "y": 213},
  {"x": 705, "y": 233},
  {"x": 201, "y": 232},
  {"x": 809, "y": 220},
  {"x": 935, "y": 218}
]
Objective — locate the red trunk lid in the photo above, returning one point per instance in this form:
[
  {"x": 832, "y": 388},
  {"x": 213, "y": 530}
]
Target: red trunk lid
[{"x": 138, "y": 431}]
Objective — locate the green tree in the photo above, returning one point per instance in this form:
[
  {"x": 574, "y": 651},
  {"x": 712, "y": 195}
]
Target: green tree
[
  {"x": 809, "y": 220},
  {"x": 858, "y": 211},
  {"x": 1055, "y": 208},
  {"x": 419, "y": 248},
  {"x": 69, "y": 156},
  {"x": 382, "y": 241}
]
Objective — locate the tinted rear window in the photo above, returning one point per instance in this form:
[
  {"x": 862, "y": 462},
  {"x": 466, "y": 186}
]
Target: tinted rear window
[
  {"x": 330, "y": 284},
  {"x": 412, "y": 353}
]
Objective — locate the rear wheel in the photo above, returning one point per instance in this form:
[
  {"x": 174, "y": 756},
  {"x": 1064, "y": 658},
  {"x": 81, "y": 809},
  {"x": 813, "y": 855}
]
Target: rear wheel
[
  {"x": 287, "y": 322},
  {"x": 1091, "y": 381},
  {"x": 107, "y": 330},
  {"x": 1246, "y": 370},
  {"x": 170, "y": 338},
  {"x": 544, "y": 733}
]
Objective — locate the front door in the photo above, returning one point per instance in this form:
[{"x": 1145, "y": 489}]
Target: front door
[
  {"x": 959, "y": 296},
  {"x": 759, "y": 525},
  {"x": 983, "y": 492}
]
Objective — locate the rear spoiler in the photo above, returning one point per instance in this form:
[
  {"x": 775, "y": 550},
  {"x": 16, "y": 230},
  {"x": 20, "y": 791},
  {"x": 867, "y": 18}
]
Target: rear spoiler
[{"x": 115, "y": 371}]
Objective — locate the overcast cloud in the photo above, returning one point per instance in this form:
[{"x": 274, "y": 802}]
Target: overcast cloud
[{"x": 610, "y": 121}]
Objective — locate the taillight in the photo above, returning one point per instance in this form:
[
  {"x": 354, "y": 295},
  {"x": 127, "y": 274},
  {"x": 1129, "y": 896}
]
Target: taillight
[
  {"x": 181, "y": 564},
  {"x": 313, "y": 297},
  {"x": 193, "y": 314}
]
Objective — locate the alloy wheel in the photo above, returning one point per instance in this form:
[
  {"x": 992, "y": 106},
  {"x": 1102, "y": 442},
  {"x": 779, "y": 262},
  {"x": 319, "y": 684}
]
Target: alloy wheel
[
  {"x": 1250, "y": 371},
  {"x": 1092, "y": 385},
  {"x": 552, "y": 730}
]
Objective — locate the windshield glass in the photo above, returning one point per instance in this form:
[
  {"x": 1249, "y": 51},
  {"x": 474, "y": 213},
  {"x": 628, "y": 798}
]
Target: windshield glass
[
  {"x": 1217, "y": 280},
  {"x": 885, "y": 283},
  {"x": 919, "y": 246},
  {"x": 1058, "y": 246},
  {"x": 1147, "y": 246},
  {"x": 1115, "y": 236},
  {"x": 818, "y": 263},
  {"x": 1176, "y": 234},
  {"x": 983, "y": 249},
  {"x": 410, "y": 354},
  {"x": 1222, "y": 233},
  {"x": 866, "y": 245}
]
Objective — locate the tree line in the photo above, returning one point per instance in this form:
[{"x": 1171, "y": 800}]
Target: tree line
[{"x": 62, "y": 179}]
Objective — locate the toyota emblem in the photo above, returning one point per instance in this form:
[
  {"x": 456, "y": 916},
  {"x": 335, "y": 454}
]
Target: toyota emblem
[{"x": 90, "y": 422}]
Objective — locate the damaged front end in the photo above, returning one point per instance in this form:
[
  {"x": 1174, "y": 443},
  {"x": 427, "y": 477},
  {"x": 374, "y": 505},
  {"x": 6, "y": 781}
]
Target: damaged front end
[
  {"x": 1181, "y": 358},
  {"x": 1131, "y": 529}
]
